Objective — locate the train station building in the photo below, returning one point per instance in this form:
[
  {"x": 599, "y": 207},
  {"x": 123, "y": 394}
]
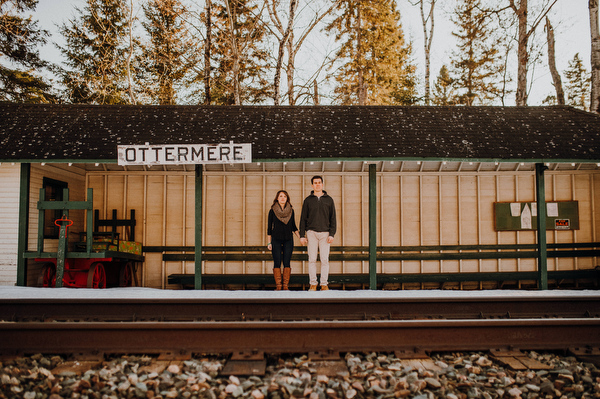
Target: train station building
[{"x": 426, "y": 197}]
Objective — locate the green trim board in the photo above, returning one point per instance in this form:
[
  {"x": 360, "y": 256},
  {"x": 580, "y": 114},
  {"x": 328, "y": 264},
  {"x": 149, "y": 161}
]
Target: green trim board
[{"x": 560, "y": 215}]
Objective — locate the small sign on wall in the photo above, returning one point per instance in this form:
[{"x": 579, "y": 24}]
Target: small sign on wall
[
  {"x": 181, "y": 154},
  {"x": 562, "y": 224}
]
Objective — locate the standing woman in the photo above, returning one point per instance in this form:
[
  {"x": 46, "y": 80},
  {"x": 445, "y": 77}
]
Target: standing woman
[{"x": 280, "y": 234}]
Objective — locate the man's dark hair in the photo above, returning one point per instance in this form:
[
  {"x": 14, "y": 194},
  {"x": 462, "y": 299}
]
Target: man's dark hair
[{"x": 312, "y": 180}]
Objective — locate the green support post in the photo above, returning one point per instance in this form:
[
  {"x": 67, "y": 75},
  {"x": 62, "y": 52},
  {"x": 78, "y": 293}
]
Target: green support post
[
  {"x": 541, "y": 226},
  {"x": 61, "y": 254},
  {"x": 198, "y": 229},
  {"x": 372, "y": 227},
  {"x": 41, "y": 222},
  {"x": 89, "y": 220},
  {"x": 63, "y": 242},
  {"x": 22, "y": 242}
]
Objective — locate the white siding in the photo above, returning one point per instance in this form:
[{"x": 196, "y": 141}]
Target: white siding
[{"x": 9, "y": 222}]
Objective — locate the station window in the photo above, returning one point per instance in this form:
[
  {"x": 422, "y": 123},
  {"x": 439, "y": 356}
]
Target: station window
[{"x": 54, "y": 192}]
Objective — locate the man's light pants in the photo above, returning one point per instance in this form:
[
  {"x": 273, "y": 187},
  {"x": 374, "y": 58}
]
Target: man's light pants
[{"x": 317, "y": 242}]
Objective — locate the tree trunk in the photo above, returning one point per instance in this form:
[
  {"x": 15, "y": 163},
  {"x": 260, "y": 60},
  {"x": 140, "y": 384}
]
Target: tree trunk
[
  {"x": 130, "y": 55},
  {"x": 290, "y": 69},
  {"x": 282, "y": 44},
  {"x": 560, "y": 95},
  {"x": 523, "y": 55},
  {"x": 362, "y": 92},
  {"x": 595, "y": 57},
  {"x": 236, "y": 58},
  {"x": 427, "y": 39},
  {"x": 207, "y": 45},
  {"x": 316, "y": 92}
]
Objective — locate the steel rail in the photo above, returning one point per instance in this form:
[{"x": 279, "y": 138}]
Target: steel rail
[
  {"x": 287, "y": 309},
  {"x": 299, "y": 336}
]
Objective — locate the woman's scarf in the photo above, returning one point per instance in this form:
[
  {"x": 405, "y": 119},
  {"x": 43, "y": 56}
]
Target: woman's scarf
[{"x": 284, "y": 214}]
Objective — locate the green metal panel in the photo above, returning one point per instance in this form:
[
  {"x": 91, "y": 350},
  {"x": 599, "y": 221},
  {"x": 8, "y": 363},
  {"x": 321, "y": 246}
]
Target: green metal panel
[
  {"x": 567, "y": 211},
  {"x": 541, "y": 224},
  {"x": 85, "y": 255},
  {"x": 65, "y": 205},
  {"x": 198, "y": 228},
  {"x": 365, "y": 249},
  {"x": 333, "y": 256},
  {"x": 372, "y": 227},
  {"x": 23, "y": 224}
]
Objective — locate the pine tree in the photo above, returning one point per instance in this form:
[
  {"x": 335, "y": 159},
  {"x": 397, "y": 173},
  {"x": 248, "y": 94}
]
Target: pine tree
[
  {"x": 171, "y": 53},
  {"x": 96, "y": 52},
  {"x": 20, "y": 62},
  {"x": 578, "y": 84},
  {"x": 476, "y": 64},
  {"x": 238, "y": 55},
  {"x": 375, "y": 66},
  {"x": 443, "y": 89}
]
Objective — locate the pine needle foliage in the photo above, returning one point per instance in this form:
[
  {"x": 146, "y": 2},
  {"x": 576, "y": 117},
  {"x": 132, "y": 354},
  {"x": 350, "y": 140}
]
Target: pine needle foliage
[
  {"x": 477, "y": 62},
  {"x": 239, "y": 60},
  {"x": 374, "y": 56},
  {"x": 578, "y": 84},
  {"x": 171, "y": 53},
  {"x": 443, "y": 88},
  {"x": 95, "y": 53},
  {"x": 20, "y": 62}
]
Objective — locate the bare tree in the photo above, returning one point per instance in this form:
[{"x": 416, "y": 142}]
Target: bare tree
[
  {"x": 207, "y": 47},
  {"x": 428, "y": 24},
  {"x": 595, "y": 57},
  {"x": 291, "y": 45},
  {"x": 560, "y": 95},
  {"x": 130, "y": 54},
  {"x": 236, "y": 57},
  {"x": 239, "y": 57},
  {"x": 283, "y": 40},
  {"x": 520, "y": 9}
]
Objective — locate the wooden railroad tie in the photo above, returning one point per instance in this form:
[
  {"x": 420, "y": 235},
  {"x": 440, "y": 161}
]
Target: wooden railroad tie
[{"x": 517, "y": 360}]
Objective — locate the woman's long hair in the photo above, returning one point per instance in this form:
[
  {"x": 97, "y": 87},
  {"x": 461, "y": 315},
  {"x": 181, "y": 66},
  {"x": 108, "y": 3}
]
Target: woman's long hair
[{"x": 275, "y": 201}]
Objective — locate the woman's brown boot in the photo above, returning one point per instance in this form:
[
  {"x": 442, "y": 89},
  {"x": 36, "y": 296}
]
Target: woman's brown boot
[
  {"x": 287, "y": 272},
  {"x": 277, "y": 275}
]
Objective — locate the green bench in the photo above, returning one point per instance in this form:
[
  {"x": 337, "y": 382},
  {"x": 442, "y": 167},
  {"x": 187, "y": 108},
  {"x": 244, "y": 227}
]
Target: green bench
[{"x": 589, "y": 277}]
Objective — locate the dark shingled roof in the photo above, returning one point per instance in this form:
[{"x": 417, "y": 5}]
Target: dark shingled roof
[{"x": 31, "y": 132}]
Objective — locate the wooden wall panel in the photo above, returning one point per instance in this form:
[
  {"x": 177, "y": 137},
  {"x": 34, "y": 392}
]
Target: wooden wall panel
[
  {"x": 154, "y": 230},
  {"x": 350, "y": 228},
  {"x": 136, "y": 195},
  {"x": 413, "y": 209},
  {"x": 234, "y": 218},
  {"x": 388, "y": 220}
]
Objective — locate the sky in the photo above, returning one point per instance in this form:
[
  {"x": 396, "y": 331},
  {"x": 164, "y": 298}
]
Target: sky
[{"x": 569, "y": 17}]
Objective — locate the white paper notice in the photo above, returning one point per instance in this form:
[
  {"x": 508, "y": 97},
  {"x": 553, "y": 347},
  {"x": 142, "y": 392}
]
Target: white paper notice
[
  {"x": 552, "y": 208},
  {"x": 526, "y": 218},
  {"x": 534, "y": 209},
  {"x": 515, "y": 209}
]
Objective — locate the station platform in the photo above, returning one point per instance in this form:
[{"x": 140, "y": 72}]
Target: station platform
[{"x": 13, "y": 292}]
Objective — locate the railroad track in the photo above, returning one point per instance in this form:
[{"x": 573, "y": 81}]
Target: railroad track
[{"x": 297, "y": 325}]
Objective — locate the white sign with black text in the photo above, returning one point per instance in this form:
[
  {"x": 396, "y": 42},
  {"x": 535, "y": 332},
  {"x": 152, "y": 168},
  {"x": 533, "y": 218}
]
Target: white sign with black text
[{"x": 179, "y": 154}]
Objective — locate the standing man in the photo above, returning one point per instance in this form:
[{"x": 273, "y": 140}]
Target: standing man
[{"x": 317, "y": 227}]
